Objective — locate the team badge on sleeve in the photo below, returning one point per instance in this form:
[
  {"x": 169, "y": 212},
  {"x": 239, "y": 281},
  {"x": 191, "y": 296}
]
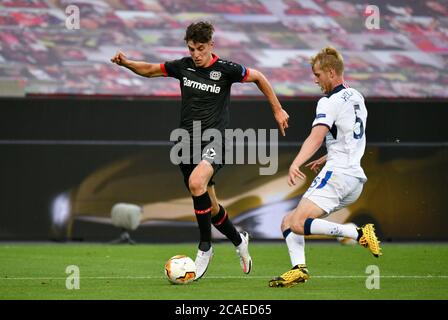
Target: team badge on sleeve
[{"x": 215, "y": 75}]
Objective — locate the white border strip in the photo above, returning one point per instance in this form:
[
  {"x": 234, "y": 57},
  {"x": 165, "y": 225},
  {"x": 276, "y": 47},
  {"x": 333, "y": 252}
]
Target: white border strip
[{"x": 233, "y": 277}]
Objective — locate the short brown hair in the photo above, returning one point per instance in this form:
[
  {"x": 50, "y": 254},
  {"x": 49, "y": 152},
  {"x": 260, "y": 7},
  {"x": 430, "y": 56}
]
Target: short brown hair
[
  {"x": 199, "y": 32},
  {"x": 329, "y": 58}
]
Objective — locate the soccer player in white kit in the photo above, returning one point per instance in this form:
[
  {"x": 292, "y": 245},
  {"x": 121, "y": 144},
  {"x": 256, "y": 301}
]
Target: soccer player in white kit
[{"x": 340, "y": 121}]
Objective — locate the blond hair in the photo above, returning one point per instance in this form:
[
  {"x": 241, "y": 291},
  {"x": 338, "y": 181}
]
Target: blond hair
[{"x": 329, "y": 58}]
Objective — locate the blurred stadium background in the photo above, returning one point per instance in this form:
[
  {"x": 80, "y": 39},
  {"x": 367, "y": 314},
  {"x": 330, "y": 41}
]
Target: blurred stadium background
[
  {"x": 78, "y": 134},
  {"x": 39, "y": 55}
]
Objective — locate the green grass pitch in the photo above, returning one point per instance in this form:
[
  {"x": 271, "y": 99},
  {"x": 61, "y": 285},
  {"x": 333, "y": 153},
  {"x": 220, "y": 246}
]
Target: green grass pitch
[{"x": 38, "y": 271}]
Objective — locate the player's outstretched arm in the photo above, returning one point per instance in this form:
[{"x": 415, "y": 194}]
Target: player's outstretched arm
[
  {"x": 308, "y": 149},
  {"x": 281, "y": 116},
  {"x": 141, "y": 68}
]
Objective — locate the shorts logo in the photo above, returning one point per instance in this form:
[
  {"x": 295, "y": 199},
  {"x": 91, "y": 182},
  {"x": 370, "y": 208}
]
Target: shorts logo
[
  {"x": 321, "y": 115},
  {"x": 215, "y": 75},
  {"x": 209, "y": 154}
]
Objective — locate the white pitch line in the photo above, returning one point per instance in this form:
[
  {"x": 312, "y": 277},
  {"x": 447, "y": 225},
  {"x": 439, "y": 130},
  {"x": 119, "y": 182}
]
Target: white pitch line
[{"x": 231, "y": 277}]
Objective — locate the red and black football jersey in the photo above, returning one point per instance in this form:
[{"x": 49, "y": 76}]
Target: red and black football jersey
[{"x": 205, "y": 91}]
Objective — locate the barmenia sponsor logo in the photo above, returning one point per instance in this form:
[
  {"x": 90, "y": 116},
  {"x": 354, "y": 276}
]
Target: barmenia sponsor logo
[{"x": 201, "y": 86}]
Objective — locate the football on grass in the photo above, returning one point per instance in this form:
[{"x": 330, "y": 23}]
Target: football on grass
[{"x": 180, "y": 269}]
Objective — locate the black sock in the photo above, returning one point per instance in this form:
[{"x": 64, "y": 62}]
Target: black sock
[
  {"x": 203, "y": 211},
  {"x": 222, "y": 222}
]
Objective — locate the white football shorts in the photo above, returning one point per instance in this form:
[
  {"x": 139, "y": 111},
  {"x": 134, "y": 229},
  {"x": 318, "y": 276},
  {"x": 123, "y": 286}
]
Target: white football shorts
[{"x": 332, "y": 191}]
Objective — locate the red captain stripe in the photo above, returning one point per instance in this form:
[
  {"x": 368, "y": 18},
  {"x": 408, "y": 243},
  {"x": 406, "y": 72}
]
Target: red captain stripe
[
  {"x": 247, "y": 75},
  {"x": 222, "y": 219},
  {"x": 203, "y": 211},
  {"x": 162, "y": 67}
]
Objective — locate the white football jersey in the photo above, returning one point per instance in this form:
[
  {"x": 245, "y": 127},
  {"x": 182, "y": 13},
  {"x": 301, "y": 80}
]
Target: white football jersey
[{"x": 345, "y": 114}]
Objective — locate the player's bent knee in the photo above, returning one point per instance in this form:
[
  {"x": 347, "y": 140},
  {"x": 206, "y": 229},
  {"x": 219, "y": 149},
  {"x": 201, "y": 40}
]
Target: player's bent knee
[
  {"x": 197, "y": 186},
  {"x": 298, "y": 227},
  {"x": 285, "y": 222}
]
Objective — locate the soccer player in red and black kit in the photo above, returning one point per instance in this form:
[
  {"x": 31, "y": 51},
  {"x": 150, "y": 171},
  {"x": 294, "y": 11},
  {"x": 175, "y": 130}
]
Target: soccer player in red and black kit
[{"x": 205, "y": 82}]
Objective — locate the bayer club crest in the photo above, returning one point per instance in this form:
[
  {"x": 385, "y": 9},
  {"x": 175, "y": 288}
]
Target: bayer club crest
[{"x": 215, "y": 75}]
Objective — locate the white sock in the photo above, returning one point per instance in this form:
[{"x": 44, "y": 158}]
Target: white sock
[
  {"x": 323, "y": 227},
  {"x": 296, "y": 248}
]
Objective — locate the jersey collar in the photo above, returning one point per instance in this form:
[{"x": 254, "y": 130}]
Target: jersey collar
[
  {"x": 336, "y": 90},
  {"x": 215, "y": 58}
]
